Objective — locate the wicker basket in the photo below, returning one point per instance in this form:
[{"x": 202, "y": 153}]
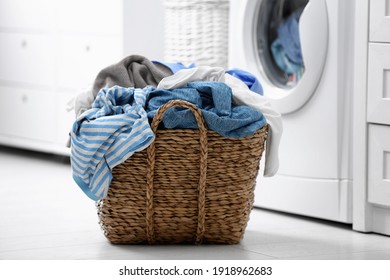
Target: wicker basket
[
  {"x": 196, "y": 31},
  {"x": 189, "y": 186}
]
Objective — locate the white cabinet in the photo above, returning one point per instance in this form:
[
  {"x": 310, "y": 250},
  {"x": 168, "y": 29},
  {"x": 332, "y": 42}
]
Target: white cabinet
[
  {"x": 378, "y": 99},
  {"x": 379, "y": 21},
  {"x": 82, "y": 57},
  {"x": 27, "y": 58},
  {"x": 379, "y": 164},
  {"x": 371, "y": 170},
  {"x": 27, "y": 113},
  {"x": 49, "y": 50}
]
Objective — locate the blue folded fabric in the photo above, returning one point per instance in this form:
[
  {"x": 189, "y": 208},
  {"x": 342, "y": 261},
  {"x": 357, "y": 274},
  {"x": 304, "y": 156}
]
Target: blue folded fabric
[{"x": 215, "y": 101}]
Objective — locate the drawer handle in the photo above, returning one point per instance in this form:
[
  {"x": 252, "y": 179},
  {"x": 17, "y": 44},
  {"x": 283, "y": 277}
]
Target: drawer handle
[
  {"x": 87, "y": 48},
  {"x": 24, "y": 44},
  {"x": 24, "y": 98}
]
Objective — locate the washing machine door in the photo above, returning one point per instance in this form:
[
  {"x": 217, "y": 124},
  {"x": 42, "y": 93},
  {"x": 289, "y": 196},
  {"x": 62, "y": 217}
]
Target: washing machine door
[{"x": 287, "y": 91}]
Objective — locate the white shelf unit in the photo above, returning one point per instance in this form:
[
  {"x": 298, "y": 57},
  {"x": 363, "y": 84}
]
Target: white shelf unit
[
  {"x": 49, "y": 50},
  {"x": 372, "y": 117}
]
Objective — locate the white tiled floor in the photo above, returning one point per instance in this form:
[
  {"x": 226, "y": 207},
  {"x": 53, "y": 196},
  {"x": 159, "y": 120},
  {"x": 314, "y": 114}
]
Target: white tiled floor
[{"x": 43, "y": 215}]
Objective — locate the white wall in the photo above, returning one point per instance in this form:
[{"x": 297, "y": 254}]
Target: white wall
[{"x": 144, "y": 28}]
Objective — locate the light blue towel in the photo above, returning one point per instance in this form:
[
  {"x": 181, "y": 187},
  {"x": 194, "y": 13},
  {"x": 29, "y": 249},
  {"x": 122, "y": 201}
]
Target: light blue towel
[
  {"x": 107, "y": 135},
  {"x": 215, "y": 101}
]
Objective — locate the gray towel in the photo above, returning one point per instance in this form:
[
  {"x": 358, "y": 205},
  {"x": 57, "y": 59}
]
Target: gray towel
[{"x": 133, "y": 71}]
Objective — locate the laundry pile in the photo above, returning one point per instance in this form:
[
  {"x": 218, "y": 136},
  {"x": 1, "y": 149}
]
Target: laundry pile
[
  {"x": 286, "y": 48},
  {"x": 113, "y": 117}
]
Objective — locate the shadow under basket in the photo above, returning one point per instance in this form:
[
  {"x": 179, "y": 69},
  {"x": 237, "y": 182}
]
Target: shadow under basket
[{"x": 188, "y": 186}]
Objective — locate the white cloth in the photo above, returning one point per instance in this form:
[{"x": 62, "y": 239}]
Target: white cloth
[
  {"x": 185, "y": 76},
  {"x": 242, "y": 95},
  {"x": 80, "y": 103},
  {"x": 83, "y": 101}
]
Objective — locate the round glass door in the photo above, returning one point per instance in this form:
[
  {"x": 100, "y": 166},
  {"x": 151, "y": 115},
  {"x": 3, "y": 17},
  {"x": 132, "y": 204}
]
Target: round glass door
[{"x": 289, "y": 40}]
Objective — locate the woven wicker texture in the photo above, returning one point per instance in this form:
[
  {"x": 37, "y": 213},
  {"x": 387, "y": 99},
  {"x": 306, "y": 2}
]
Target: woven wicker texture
[
  {"x": 196, "y": 31},
  {"x": 189, "y": 186}
]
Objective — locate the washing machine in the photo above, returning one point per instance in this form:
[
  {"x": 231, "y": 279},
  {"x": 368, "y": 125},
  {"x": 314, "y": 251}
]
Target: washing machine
[{"x": 314, "y": 178}]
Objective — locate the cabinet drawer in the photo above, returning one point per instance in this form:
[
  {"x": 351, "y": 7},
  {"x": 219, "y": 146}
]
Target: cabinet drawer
[
  {"x": 378, "y": 100},
  {"x": 90, "y": 16},
  {"x": 380, "y": 20},
  {"x": 81, "y": 58},
  {"x": 27, "y": 113},
  {"x": 27, "y": 14},
  {"x": 27, "y": 58},
  {"x": 379, "y": 164}
]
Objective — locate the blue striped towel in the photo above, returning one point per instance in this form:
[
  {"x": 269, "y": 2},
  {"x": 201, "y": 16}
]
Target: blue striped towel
[{"x": 113, "y": 130}]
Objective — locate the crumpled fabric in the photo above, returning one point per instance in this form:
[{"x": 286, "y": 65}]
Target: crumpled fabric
[
  {"x": 133, "y": 71},
  {"x": 214, "y": 99},
  {"x": 108, "y": 134},
  {"x": 286, "y": 49},
  {"x": 248, "y": 78}
]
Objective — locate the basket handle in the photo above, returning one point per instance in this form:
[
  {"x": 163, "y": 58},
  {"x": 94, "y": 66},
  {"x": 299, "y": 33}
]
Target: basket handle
[{"x": 151, "y": 153}]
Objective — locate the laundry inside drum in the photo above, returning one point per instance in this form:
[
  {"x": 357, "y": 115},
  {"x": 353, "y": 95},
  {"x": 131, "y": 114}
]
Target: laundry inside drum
[{"x": 278, "y": 41}]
